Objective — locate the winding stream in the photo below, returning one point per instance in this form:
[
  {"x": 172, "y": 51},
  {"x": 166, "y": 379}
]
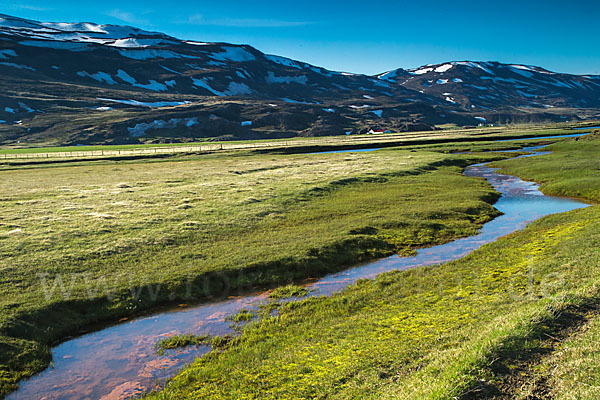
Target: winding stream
[{"x": 120, "y": 361}]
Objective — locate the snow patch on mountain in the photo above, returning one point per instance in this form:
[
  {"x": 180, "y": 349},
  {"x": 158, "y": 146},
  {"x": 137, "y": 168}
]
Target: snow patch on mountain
[
  {"x": 532, "y": 69},
  {"x": 74, "y": 27},
  {"x": 203, "y": 83},
  {"x": 556, "y": 82},
  {"x": 124, "y": 76},
  {"x": 193, "y": 43},
  {"x": 389, "y": 76},
  {"x": 81, "y": 33},
  {"x": 170, "y": 70},
  {"x": 421, "y": 71},
  {"x": 238, "y": 89},
  {"x": 156, "y": 104},
  {"x": 216, "y": 63},
  {"x": 128, "y": 42},
  {"x": 523, "y": 94},
  {"x": 377, "y": 82},
  {"x": 481, "y": 65},
  {"x": 101, "y": 77},
  {"x": 523, "y": 72},
  {"x": 151, "y": 85},
  {"x": 236, "y": 54},
  {"x": 443, "y": 68},
  {"x": 234, "y": 88},
  {"x": 283, "y": 61},
  {"x": 141, "y": 128},
  {"x": 344, "y": 88},
  {"x": 138, "y": 42},
  {"x": 287, "y": 62},
  {"x": 26, "y": 107},
  {"x": 19, "y": 66},
  {"x": 147, "y": 54},
  {"x": 497, "y": 79},
  {"x": 4, "y": 54},
  {"x": 271, "y": 78}
]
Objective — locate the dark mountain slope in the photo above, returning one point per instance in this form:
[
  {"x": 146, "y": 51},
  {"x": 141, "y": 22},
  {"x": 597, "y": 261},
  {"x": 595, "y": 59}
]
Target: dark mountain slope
[
  {"x": 68, "y": 83},
  {"x": 493, "y": 86}
]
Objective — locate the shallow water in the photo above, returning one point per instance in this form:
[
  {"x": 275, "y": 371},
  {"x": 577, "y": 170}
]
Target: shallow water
[
  {"x": 588, "y": 128},
  {"x": 570, "y": 135},
  {"x": 120, "y": 361}
]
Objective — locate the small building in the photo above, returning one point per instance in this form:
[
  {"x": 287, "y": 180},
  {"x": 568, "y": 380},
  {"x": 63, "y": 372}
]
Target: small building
[{"x": 378, "y": 131}]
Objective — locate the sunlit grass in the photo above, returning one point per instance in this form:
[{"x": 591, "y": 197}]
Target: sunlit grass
[
  {"x": 433, "y": 332},
  {"x": 108, "y": 230}
]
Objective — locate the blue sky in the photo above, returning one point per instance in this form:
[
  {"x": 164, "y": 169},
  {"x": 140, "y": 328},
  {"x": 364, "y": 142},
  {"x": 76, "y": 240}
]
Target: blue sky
[{"x": 361, "y": 36}]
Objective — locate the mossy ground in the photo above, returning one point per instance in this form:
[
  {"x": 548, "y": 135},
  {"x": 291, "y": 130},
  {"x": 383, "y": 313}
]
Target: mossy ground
[
  {"x": 91, "y": 242},
  {"x": 479, "y": 327},
  {"x": 288, "y": 291}
]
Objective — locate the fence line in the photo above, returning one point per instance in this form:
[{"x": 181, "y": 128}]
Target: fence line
[{"x": 206, "y": 147}]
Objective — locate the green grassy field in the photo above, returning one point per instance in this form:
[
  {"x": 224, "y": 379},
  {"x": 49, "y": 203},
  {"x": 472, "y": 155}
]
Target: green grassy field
[
  {"x": 571, "y": 171},
  {"x": 93, "y": 242},
  {"x": 518, "y": 318},
  {"x": 463, "y": 134}
]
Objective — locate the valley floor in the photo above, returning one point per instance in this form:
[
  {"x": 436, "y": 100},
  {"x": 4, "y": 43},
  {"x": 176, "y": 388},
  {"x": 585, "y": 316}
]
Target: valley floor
[
  {"x": 95, "y": 241},
  {"x": 82, "y": 243},
  {"x": 517, "y": 319}
]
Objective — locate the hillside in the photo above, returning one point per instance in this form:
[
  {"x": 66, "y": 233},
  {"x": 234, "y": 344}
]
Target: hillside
[
  {"x": 491, "y": 86},
  {"x": 83, "y": 83}
]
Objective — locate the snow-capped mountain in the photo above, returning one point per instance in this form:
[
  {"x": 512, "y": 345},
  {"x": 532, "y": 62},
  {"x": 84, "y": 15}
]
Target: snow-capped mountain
[
  {"x": 89, "y": 83},
  {"x": 85, "y": 32},
  {"x": 492, "y": 85},
  {"x": 130, "y": 58}
]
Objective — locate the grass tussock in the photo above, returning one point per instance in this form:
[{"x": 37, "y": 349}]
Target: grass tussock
[
  {"x": 185, "y": 340},
  {"x": 242, "y": 316},
  {"x": 285, "y": 292},
  {"x": 180, "y": 341}
]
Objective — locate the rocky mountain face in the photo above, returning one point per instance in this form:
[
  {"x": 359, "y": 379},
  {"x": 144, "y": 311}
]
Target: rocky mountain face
[
  {"x": 491, "y": 85},
  {"x": 65, "y": 83}
]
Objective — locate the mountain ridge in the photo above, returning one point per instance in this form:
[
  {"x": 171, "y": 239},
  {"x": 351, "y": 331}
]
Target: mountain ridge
[{"x": 71, "y": 83}]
